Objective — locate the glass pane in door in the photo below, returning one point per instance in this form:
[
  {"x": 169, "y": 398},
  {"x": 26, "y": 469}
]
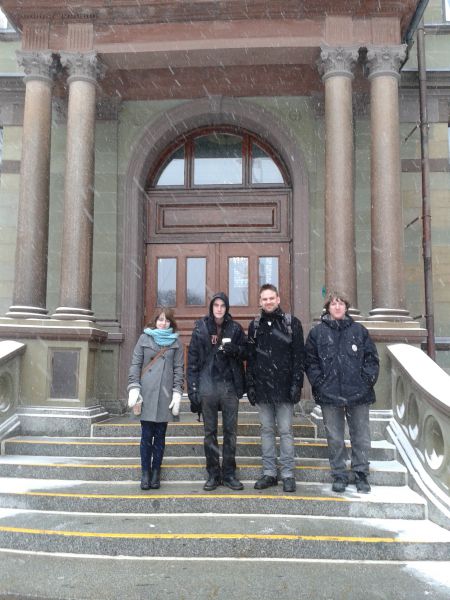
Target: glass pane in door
[
  {"x": 268, "y": 270},
  {"x": 167, "y": 282},
  {"x": 196, "y": 281},
  {"x": 238, "y": 280}
]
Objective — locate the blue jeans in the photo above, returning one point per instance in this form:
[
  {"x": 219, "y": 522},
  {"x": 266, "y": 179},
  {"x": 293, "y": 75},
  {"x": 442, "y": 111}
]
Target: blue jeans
[
  {"x": 277, "y": 416},
  {"x": 359, "y": 429},
  {"x": 153, "y": 442}
]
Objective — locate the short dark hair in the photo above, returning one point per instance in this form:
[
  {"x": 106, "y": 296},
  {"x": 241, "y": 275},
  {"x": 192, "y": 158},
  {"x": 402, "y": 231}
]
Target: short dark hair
[
  {"x": 170, "y": 316},
  {"x": 268, "y": 286},
  {"x": 334, "y": 295}
]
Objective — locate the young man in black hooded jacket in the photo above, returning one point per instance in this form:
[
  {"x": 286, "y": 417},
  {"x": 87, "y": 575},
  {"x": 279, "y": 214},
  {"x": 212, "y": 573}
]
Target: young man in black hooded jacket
[{"x": 216, "y": 381}]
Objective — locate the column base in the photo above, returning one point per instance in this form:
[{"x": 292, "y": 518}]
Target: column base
[
  {"x": 389, "y": 314},
  {"x": 68, "y": 313},
  {"x": 27, "y": 312}
]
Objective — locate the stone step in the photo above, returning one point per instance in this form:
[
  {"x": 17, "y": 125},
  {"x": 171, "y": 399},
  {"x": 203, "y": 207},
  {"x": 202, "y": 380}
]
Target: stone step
[
  {"x": 204, "y": 535},
  {"x": 175, "y": 446},
  {"x": 187, "y": 425},
  {"x": 135, "y": 578},
  {"x": 189, "y": 497},
  {"x": 174, "y": 469}
]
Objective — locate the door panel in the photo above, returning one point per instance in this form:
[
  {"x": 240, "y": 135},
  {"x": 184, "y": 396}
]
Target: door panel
[{"x": 197, "y": 271}]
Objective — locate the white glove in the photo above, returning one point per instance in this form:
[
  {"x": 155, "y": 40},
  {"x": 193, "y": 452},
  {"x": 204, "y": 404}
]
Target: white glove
[
  {"x": 175, "y": 404},
  {"x": 134, "y": 396}
]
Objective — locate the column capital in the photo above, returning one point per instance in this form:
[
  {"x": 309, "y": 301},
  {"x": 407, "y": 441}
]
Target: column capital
[
  {"x": 37, "y": 65},
  {"x": 83, "y": 66},
  {"x": 385, "y": 60},
  {"x": 337, "y": 61}
]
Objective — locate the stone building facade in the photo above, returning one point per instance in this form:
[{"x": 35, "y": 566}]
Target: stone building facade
[{"x": 155, "y": 153}]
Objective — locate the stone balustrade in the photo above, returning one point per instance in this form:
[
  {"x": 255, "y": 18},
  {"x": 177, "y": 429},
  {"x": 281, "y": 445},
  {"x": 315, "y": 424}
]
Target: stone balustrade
[
  {"x": 421, "y": 423},
  {"x": 10, "y": 364}
]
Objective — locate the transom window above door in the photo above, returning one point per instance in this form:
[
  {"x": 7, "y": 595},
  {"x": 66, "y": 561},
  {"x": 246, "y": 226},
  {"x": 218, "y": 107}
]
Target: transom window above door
[{"x": 219, "y": 157}]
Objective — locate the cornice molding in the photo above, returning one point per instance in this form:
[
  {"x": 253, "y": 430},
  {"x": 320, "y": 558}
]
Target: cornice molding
[{"x": 150, "y": 11}]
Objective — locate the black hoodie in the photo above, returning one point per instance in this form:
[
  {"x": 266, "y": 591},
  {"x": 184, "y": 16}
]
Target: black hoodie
[{"x": 207, "y": 364}]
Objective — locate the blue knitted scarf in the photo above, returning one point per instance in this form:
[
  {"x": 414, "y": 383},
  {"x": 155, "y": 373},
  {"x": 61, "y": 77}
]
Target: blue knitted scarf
[{"x": 163, "y": 337}]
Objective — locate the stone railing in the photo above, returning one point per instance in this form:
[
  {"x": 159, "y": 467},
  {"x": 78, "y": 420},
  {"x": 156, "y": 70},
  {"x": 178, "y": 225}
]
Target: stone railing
[
  {"x": 421, "y": 425},
  {"x": 10, "y": 361}
]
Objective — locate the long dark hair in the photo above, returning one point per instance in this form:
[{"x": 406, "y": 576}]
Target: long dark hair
[{"x": 170, "y": 316}]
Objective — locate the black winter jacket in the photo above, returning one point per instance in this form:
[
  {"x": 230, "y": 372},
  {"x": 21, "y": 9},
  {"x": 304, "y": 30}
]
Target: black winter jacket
[
  {"x": 207, "y": 364},
  {"x": 275, "y": 358},
  {"x": 341, "y": 362}
]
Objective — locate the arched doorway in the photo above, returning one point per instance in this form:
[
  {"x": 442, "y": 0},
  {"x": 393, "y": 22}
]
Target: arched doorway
[
  {"x": 156, "y": 137},
  {"x": 218, "y": 209}
]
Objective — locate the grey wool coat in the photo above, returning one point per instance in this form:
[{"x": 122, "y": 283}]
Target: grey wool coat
[{"x": 165, "y": 375}]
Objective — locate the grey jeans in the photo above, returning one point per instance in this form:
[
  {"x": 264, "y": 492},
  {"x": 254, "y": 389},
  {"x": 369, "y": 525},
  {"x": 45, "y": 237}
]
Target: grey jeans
[
  {"x": 277, "y": 416},
  {"x": 359, "y": 429},
  {"x": 224, "y": 397}
]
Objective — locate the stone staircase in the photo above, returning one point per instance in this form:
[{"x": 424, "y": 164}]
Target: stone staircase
[{"x": 80, "y": 496}]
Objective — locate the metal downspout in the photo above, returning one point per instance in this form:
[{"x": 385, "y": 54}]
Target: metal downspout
[{"x": 426, "y": 201}]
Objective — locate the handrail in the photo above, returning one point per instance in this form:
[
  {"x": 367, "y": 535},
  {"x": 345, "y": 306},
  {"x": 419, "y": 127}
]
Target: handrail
[{"x": 421, "y": 425}]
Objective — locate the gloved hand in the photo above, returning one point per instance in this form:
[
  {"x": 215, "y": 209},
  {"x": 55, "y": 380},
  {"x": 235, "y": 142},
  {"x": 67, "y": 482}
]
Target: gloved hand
[
  {"x": 251, "y": 395},
  {"x": 134, "y": 396},
  {"x": 196, "y": 405},
  {"x": 174, "y": 406},
  {"x": 295, "y": 393},
  {"x": 231, "y": 349}
]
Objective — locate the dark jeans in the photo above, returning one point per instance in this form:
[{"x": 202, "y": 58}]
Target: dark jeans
[
  {"x": 153, "y": 441},
  {"x": 225, "y": 397},
  {"x": 359, "y": 429}
]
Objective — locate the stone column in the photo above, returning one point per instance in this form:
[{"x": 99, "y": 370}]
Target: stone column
[
  {"x": 30, "y": 283},
  {"x": 388, "y": 283},
  {"x": 76, "y": 258},
  {"x": 336, "y": 66}
]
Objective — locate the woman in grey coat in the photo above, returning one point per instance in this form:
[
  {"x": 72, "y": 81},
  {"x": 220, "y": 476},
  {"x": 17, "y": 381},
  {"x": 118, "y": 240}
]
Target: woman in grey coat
[{"x": 155, "y": 380}]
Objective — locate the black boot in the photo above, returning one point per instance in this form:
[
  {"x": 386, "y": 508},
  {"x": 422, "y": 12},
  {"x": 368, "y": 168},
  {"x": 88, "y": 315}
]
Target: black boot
[
  {"x": 155, "y": 479},
  {"x": 145, "y": 480}
]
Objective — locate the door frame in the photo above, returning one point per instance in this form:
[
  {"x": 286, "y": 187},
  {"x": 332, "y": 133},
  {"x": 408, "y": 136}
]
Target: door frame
[{"x": 154, "y": 139}]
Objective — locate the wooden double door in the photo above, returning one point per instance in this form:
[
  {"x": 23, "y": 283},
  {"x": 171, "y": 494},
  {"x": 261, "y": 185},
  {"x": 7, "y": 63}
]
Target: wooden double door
[{"x": 186, "y": 275}]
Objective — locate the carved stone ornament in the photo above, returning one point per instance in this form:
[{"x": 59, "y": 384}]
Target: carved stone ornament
[
  {"x": 37, "y": 65},
  {"x": 84, "y": 66},
  {"x": 335, "y": 62},
  {"x": 386, "y": 60}
]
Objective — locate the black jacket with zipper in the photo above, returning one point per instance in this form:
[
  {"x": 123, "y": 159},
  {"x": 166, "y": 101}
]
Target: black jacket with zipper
[
  {"x": 342, "y": 362},
  {"x": 275, "y": 358},
  {"x": 207, "y": 365}
]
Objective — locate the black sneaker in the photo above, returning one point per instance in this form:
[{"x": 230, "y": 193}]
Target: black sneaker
[
  {"x": 289, "y": 484},
  {"x": 232, "y": 483},
  {"x": 339, "y": 485},
  {"x": 362, "y": 485},
  {"x": 211, "y": 484},
  {"x": 265, "y": 482}
]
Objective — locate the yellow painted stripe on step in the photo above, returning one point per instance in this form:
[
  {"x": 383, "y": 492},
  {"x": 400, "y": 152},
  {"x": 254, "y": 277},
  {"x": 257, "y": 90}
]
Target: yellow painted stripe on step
[
  {"x": 208, "y": 536},
  {"x": 137, "y": 443},
  {"x": 136, "y": 466},
  {"x": 76, "y": 443},
  {"x": 152, "y": 496}
]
